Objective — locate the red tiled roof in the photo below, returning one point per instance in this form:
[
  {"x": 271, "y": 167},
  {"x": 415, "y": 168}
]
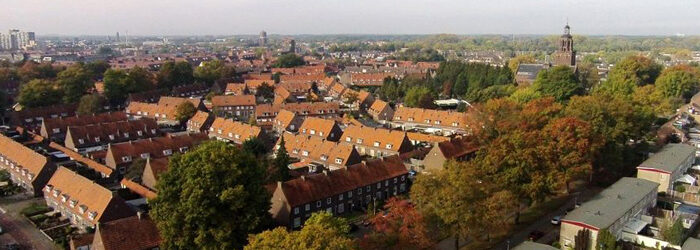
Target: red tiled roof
[
  {"x": 233, "y": 100},
  {"x": 155, "y": 146},
  {"x": 138, "y": 189},
  {"x": 24, "y": 157},
  {"x": 233, "y": 130},
  {"x": 320, "y": 186},
  {"x": 129, "y": 233},
  {"x": 78, "y": 157}
]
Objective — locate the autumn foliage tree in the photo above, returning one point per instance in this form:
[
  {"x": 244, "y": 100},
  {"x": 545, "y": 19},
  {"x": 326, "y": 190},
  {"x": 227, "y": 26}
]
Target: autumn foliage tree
[
  {"x": 320, "y": 231},
  {"x": 402, "y": 227}
]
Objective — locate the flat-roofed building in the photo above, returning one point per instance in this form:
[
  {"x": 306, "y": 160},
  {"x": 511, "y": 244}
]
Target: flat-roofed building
[
  {"x": 668, "y": 166},
  {"x": 626, "y": 200}
]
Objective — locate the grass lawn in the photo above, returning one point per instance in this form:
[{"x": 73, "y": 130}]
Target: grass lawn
[{"x": 34, "y": 209}]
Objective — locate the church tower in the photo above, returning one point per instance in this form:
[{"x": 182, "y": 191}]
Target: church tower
[{"x": 565, "y": 55}]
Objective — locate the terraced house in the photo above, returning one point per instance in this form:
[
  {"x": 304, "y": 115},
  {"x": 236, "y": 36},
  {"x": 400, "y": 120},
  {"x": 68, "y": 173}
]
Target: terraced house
[
  {"x": 83, "y": 202},
  {"x": 286, "y": 121},
  {"x": 55, "y": 129},
  {"x": 27, "y": 168},
  {"x": 314, "y": 152},
  {"x": 376, "y": 142},
  {"x": 95, "y": 137},
  {"x": 163, "y": 112},
  {"x": 338, "y": 192},
  {"x": 321, "y": 128},
  {"x": 120, "y": 156},
  {"x": 233, "y": 131},
  {"x": 200, "y": 122},
  {"x": 447, "y": 122},
  {"x": 240, "y": 107}
]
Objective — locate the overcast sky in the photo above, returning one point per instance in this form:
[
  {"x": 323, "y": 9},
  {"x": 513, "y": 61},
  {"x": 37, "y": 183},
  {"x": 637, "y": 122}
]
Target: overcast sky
[{"x": 227, "y": 17}]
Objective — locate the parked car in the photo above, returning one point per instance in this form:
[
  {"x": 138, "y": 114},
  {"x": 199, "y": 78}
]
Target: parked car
[
  {"x": 535, "y": 235},
  {"x": 556, "y": 220}
]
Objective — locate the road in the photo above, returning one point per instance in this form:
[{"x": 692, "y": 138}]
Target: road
[{"x": 18, "y": 229}]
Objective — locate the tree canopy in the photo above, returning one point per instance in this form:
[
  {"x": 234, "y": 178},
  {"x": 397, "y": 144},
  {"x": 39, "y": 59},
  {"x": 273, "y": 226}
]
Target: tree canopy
[
  {"x": 173, "y": 74},
  {"x": 402, "y": 227},
  {"x": 211, "y": 71},
  {"x": 39, "y": 93},
  {"x": 120, "y": 83},
  {"x": 90, "y": 104},
  {"x": 74, "y": 82},
  {"x": 218, "y": 215},
  {"x": 184, "y": 111},
  {"x": 320, "y": 231},
  {"x": 289, "y": 60},
  {"x": 559, "y": 82}
]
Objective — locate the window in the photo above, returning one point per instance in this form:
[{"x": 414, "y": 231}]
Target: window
[
  {"x": 324, "y": 157},
  {"x": 297, "y": 222},
  {"x": 403, "y": 177},
  {"x": 56, "y": 130},
  {"x": 303, "y": 131},
  {"x": 388, "y": 146},
  {"x": 318, "y": 204},
  {"x": 348, "y": 139},
  {"x": 427, "y": 121},
  {"x": 329, "y": 200},
  {"x": 237, "y": 136},
  {"x": 307, "y": 207},
  {"x": 305, "y": 153},
  {"x": 359, "y": 191},
  {"x": 368, "y": 188},
  {"x": 437, "y": 122},
  {"x": 126, "y": 158},
  {"x": 111, "y": 137},
  {"x": 313, "y": 132},
  {"x": 402, "y": 187},
  {"x": 295, "y": 151},
  {"x": 183, "y": 149},
  {"x": 376, "y": 144},
  {"x": 386, "y": 183},
  {"x": 320, "y": 133},
  {"x": 329, "y": 210},
  {"x": 167, "y": 152},
  {"x": 153, "y": 131},
  {"x": 126, "y": 135},
  {"x": 296, "y": 210},
  {"x": 379, "y": 185},
  {"x": 81, "y": 141},
  {"x": 454, "y": 124},
  {"x": 341, "y": 208},
  {"x": 145, "y": 155},
  {"x": 340, "y": 197},
  {"x": 338, "y": 161},
  {"x": 97, "y": 139},
  {"x": 395, "y": 180},
  {"x": 349, "y": 194},
  {"x": 92, "y": 215},
  {"x": 140, "y": 133},
  {"x": 230, "y": 134},
  {"x": 359, "y": 140}
]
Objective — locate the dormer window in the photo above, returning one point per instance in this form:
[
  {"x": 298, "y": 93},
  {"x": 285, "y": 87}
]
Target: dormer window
[
  {"x": 427, "y": 121},
  {"x": 64, "y": 198},
  {"x": 376, "y": 144},
  {"x": 92, "y": 215},
  {"x": 145, "y": 155},
  {"x": 126, "y": 158},
  {"x": 183, "y": 149},
  {"x": 324, "y": 157},
  {"x": 97, "y": 139},
  {"x": 237, "y": 136},
  {"x": 359, "y": 140},
  {"x": 313, "y": 132},
  {"x": 348, "y": 139},
  {"x": 56, "y": 192},
  {"x": 338, "y": 161},
  {"x": 230, "y": 134},
  {"x": 153, "y": 131},
  {"x": 126, "y": 135},
  {"x": 438, "y": 122},
  {"x": 320, "y": 133},
  {"x": 56, "y": 130},
  {"x": 48, "y": 188},
  {"x": 305, "y": 153},
  {"x": 73, "y": 203},
  {"x": 81, "y": 141},
  {"x": 454, "y": 124},
  {"x": 111, "y": 137},
  {"x": 388, "y": 146},
  {"x": 219, "y": 131},
  {"x": 410, "y": 119},
  {"x": 167, "y": 152},
  {"x": 139, "y": 133},
  {"x": 295, "y": 151},
  {"x": 82, "y": 209}
]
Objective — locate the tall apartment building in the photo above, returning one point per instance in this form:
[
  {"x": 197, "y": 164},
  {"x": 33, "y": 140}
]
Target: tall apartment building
[{"x": 16, "y": 39}]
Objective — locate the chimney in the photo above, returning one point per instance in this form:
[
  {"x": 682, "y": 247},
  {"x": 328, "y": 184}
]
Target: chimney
[
  {"x": 279, "y": 184},
  {"x": 139, "y": 214},
  {"x": 303, "y": 177},
  {"x": 325, "y": 172}
]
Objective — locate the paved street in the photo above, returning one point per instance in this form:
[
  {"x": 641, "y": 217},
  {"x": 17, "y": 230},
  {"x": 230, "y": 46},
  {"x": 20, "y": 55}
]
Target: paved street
[{"x": 18, "y": 229}]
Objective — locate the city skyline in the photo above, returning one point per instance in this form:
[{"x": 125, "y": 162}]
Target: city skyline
[{"x": 216, "y": 17}]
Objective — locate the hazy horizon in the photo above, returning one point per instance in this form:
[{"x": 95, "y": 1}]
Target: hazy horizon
[{"x": 359, "y": 17}]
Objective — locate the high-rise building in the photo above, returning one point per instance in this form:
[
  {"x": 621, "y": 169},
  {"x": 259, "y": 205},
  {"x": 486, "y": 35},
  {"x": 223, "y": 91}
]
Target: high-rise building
[
  {"x": 118, "y": 37},
  {"x": 16, "y": 39},
  {"x": 292, "y": 46},
  {"x": 263, "y": 39},
  {"x": 565, "y": 55}
]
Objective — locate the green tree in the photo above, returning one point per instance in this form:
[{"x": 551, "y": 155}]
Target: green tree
[
  {"x": 320, "y": 231},
  {"x": 218, "y": 215},
  {"x": 289, "y": 60},
  {"x": 255, "y": 146},
  {"x": 97, "y": 68},
  {"x": 119, "y": 83},
  {"x": 184, "y": 111},
  {"x": 211, "y": 71},
  {"x": 135, "y": 170},
  {"x": 559, "y": 82},
  {"x": 74, "y": 82},
  {"x": 39, "y": 93},
  {"x": 606, "y": 241},
  {"x": 31, "y": 70},
  {"x": 525, "y": 95},
  {"x": 679, "y": 81},
  {"x": 674, "y": 233},
  {"x": 90, "y": 104},
  {"x": 173, "y": 74},
  {"x": 282, "y": 162},
  {"x": 629, "y": 73},
  {"x": 415, "y": 96},
  {"x": 265, "y": 90}
]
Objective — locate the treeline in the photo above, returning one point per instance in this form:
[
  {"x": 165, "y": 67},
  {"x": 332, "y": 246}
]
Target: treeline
[
  {"x": 474, "y": 82},
  {"x": 42, "y": 84}
]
